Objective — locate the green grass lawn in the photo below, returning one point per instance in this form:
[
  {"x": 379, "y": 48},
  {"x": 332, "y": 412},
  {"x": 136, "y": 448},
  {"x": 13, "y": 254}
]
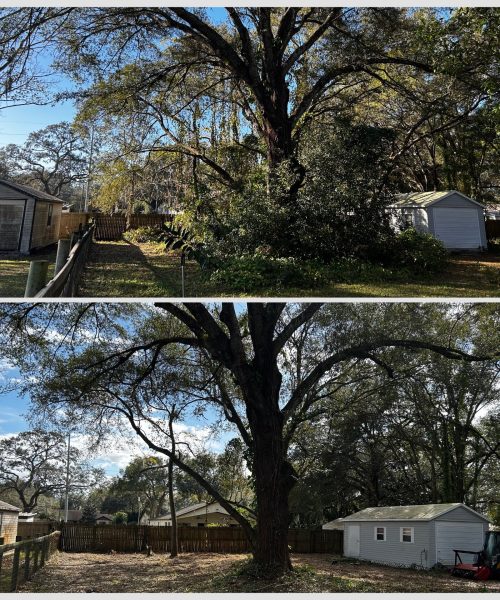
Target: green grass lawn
[
  {"x": 122, "y": 269},
  {"x": 14, "y": 272}
]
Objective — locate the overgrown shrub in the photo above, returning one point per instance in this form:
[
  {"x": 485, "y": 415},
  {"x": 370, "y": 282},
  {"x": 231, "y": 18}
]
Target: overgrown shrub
[
  {"x": 253, "y": 272},
  {"x": 142, "y": 235},
  {"x": 420, "y": 252}
]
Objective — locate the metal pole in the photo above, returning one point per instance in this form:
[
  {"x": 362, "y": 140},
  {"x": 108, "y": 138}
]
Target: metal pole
[
  {"x": 183, "y": 262},
  {"x": 87, "y": 187},
  {"x": 66, "y": 503}
]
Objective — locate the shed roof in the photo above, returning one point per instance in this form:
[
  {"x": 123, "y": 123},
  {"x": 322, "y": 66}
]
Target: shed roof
[
  {"x": 30, "y": 191},
  {"x": 424, "y": 199},
  {"x": 4, "y": 506},
  {"x": 416, "y": 512}
]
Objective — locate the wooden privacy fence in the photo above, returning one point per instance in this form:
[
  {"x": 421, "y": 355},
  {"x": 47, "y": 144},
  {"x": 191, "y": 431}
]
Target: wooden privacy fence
[
  {"x": 65, "y": 283},
  {"x": 71, "y": 222},
  {"x": 112, "y": 227},
  {"x": 492, "y": 229},
  {"x": 35, "y": 529},
  {"x": 76, "y": 537},
  {"x": 21, "y": 560}
]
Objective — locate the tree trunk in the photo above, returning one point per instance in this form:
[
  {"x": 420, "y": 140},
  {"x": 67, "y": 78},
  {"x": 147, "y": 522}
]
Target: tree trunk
[{"x": 274, "y": 479}]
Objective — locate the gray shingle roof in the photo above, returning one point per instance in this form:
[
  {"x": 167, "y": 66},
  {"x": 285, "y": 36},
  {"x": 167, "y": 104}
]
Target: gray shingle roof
[
  {"x": 5, "y": 506},
  {"x": 423, "y": 199},
  {"x": 30, "y": 191},
  {"x": 416, "y": 512}
]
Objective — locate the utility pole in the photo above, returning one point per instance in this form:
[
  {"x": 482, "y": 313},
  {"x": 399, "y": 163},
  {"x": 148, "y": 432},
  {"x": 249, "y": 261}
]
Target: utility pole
[
  {"x": 87, "y": 187},
  {"x": 66, "y": 503}
]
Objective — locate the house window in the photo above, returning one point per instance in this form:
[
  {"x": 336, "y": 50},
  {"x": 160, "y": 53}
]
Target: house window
[
  {"x": 49, "y": 215},
  {"x": 201, "y": 524},
  {"x": 407, "y": 535},
  {"x": 379, "y": 534}
]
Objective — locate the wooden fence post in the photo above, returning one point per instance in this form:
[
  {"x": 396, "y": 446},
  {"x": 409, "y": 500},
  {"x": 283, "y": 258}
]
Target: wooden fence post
[
  {"x": 37, "y": 277},
  {"x": 63, "y": 249},
  {"x": 15, "y": 569},
  {"x": 27, "y": 558}
]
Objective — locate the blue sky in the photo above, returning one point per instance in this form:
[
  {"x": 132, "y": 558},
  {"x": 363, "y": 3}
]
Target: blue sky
[{"x": 15, "y": 409}]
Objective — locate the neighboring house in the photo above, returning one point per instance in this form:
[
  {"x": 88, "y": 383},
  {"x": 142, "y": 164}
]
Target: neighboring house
[
  {"x": 492, "y": 211},
  {"x": 337, "y": 524},
  {"x": 198, "y": 515},
  {"x": 73, "y": 515},
  {"x": 8, "y": 522},
  {"x": 452, "y": 217},
  {"x": 105, "y": 519},
  {"x": 27, "y": 517},
  {"x": 29, "y": 219},
  {"x": 420, "y": 535}
]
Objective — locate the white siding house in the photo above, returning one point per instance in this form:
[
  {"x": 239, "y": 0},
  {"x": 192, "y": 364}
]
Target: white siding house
[
  {"x": 198, "y": 515},
  {"x": 419, "y": 535},
  {"x": 455, "y": 219},
  {"x": 29, "y": 218}
]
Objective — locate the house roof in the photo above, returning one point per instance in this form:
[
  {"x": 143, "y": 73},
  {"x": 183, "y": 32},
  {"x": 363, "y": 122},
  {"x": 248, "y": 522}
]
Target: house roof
[
  {"x": 4, "y": 506},
  {"x": 106, "y": 516},
  {"x": 186, "y": 510},
  {"x": 30, "y": 191},
  {"x": 424, "y": 199},
  {"x": 416, "y": 512}
]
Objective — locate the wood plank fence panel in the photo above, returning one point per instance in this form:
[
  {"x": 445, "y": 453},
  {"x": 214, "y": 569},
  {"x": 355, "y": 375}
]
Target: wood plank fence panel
[
  {"x": 492, "y": 229},
  {"x": 71, "y": 222},
  {"x": 36, "y": 529},
  {"x": 112, "y": 227},
  {"x": 78, "y": 537}
]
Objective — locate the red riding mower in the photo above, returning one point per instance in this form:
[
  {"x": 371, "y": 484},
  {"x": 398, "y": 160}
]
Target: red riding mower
[{"x": 485, "y": 565}]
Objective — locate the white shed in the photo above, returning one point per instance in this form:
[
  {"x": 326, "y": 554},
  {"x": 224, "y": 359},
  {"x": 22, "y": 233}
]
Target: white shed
[
  {"x": 29, "y": 218},
  {"x": 455, "y": 219},
  {"x": 420, "y": 535}
]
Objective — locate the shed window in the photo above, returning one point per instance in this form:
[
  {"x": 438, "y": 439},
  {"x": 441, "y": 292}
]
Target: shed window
[
  {"x": 408, "y": 219},
  {"x": 49, "y": 215},
  {"x": 407, "y": 535},
  {"x": 379, "y": 534}
]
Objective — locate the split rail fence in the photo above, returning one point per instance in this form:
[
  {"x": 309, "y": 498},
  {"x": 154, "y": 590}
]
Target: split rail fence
[
  {"x": 228, "y": 540},
  {"x": 21, "y": 560},
  {"x": 65, "y": 283}
]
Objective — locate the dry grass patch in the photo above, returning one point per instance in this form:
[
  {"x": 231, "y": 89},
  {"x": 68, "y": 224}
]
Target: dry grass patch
[{"x": 218, "y": 573}]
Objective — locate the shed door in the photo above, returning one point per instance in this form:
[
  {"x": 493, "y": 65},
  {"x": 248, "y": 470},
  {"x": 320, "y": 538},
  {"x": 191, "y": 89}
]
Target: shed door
[
  {"x": 11, "y": 220},
  {"x": 457, "y": 227},
  {"x": 457, "y": 536},
  {"x": 352, "y": 546}
]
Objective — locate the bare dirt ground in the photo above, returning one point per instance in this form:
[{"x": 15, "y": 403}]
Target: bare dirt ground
[{"x": 106, "y": 573}]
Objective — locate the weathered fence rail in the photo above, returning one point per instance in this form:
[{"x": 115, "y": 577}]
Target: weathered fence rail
[
  {"x": 21, "y": 560},
  {"x": 65, "y": 283},
  {"x": 492, "y": 229},
  {"x": 76, "y": 537}
]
